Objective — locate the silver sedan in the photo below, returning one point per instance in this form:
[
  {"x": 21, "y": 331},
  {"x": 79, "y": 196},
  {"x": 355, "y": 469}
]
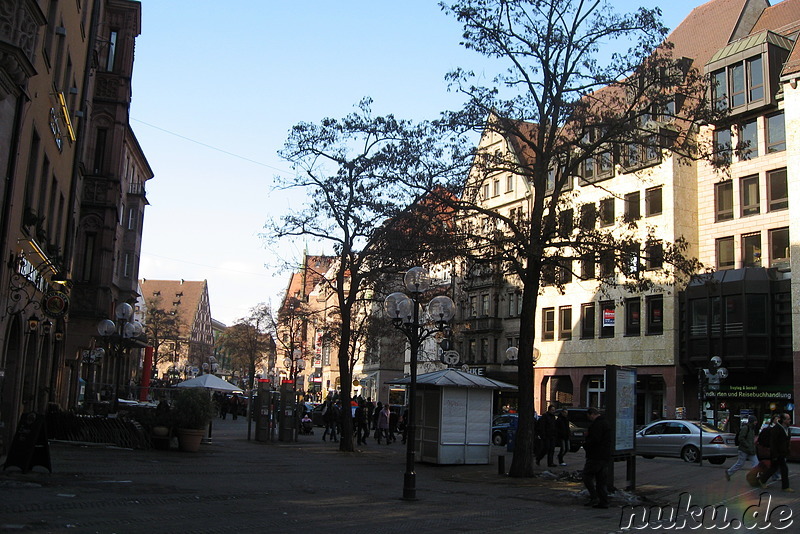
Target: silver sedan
[{"x": 679, "y": 438}]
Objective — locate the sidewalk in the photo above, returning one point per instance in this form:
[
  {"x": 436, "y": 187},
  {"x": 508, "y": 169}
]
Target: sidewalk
[{"x": 236, "y": 485}]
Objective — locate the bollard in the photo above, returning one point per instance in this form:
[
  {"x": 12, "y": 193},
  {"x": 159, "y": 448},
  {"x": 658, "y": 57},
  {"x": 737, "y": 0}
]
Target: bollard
[{"x": 501, "y": 465}]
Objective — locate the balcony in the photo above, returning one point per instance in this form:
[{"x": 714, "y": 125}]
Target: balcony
[{"x": 136, "y": 188}]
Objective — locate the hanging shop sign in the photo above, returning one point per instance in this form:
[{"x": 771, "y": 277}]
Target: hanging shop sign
[{"x": 55, "y": 304}]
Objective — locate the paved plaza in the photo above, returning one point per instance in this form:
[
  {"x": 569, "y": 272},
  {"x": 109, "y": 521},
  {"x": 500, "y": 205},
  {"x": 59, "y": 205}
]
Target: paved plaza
[{"x": 238, "y": 485}]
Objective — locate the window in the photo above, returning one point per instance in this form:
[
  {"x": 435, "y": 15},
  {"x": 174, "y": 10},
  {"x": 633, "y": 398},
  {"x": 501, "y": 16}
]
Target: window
[
  {"x": 112, "y": 51},
  {"x": 548, "y": 324},
  {"x": 751, "y": 250},
  {"x": 725, "y": 258},
  {"x": 484, "y": 350},
  {"x": 608, "y": 317},
  {"x": 652, "y": 201},
  {"x": 548, "y": 276},
  {"x": 588, "y": 266},
  {"x": 565, "y": 223},
  {"x": 654, "y": 252},
  {"x": 473, "y": 306},
  {"x": 755, "y": 79},
  {"x": 550, "y": 186},
  {"x": 633, "y": 319},
  {"x": 748, "y": 187},
  {"x": 747, "y": 144},
  {"x": 607, "y": 212},
  {"x": 655, "y": 314},
  {"x": 723, "y": 200},
  {"x": 738, "y": 84},
  {"x": 565, "y": 322},
  {"x": 630, "y": 260},
  {"x": 606, "y": 263},
  {"x": 722, "y": 145},
  {"x": 133, "y": 217},
  {"x": 509, "y": 183},
  {"x": 777, "y": 190},
  {"x": 587, "y": 320},
  {"x": 564, "y": 272},
  {"x": 486, "y": 190},
  {"x": 632, "y": 207},
  {"x": 485, "y": 304},
  {"x": 779, "y": 247},
  {"x": 719, "y": 89},
  {"x": 588, "y": 216},
  {"x": 776, "y": 134}
]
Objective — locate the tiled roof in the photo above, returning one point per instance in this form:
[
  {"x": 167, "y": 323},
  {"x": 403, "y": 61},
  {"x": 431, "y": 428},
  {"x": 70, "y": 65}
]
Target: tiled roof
[
  {"x": 182, "y": 295},
  {"x": 706, "y": 29},
  {"x": 303, "y": 281},
  {"x": 782, "y": 18}
]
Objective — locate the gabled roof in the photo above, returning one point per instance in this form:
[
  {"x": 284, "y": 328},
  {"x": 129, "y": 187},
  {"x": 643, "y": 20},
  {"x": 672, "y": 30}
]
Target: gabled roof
[
  {"x": 782, "y": 18},
  {"x": 706, "y": 29},
  {"x": 181, "y": 295}
]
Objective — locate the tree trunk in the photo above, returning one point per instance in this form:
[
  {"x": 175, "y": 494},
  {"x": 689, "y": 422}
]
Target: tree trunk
[
  {"x": 346, "y": 379},
  {"x": 522, "y": 463}
]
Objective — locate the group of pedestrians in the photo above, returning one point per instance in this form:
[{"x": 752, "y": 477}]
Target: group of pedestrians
[
  {"x": 552, "y": 429},
  {"x": 226, "y": 404},
  {"x": 368, "y": 417},
  {"x": 774, "y": 441}
]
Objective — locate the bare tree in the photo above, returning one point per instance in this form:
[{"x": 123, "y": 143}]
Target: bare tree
[
  {"x": 249, "y": 342},
  {"x": 355, "y": 172},
  {"x": 564, "y": 105},
  {"x": 162, "y": 328}
]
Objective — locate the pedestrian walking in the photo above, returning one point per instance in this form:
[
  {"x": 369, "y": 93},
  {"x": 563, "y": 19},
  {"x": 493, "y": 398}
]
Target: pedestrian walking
[
  {"x": 329, "y": 419},
  {"x": 361, "y": 428},
  {"x": 598, "y": 456},
  {"x": 382, "y": 428},
  {"x": 746, "y": 438},
  {"x": 374, "y": 415},
  {"x": 547, "y": 429},
  {"x": 778, "y": 451},
  {"x": 562, "y": 435}
]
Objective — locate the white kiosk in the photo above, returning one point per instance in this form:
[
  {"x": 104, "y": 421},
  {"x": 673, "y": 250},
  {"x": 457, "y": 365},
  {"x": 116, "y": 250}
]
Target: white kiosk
[{"x": 454, "y": 416}]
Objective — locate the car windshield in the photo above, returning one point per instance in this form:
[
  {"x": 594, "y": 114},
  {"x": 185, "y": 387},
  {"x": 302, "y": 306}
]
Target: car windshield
[{"x": 706, "y": 428}]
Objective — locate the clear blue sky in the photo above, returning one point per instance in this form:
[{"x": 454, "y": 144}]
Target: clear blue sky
[{"x": 218, "y": 85}]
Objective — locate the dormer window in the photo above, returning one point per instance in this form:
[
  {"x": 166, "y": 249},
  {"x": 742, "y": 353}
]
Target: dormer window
[{"x": 741, "y": 76}]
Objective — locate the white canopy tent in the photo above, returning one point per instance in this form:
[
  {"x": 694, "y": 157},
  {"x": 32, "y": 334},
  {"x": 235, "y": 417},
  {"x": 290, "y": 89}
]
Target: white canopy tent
[{"x": 209, "y": 381}]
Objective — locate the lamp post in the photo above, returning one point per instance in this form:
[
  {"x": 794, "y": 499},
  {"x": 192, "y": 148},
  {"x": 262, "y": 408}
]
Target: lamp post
[
  {"x": 709, "y": 380},
  {"x": 119, "y": 336},
  {"x": 294, "y": 363},
  {"x": 403, "y": 310}
]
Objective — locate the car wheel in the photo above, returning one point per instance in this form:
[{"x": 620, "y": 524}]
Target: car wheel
[
  {"x": 716, "y": 460},
  {"x": 647, "y": 456},
  {"x": 690, "y": 454},
  {"x": 498, "y": 439}
]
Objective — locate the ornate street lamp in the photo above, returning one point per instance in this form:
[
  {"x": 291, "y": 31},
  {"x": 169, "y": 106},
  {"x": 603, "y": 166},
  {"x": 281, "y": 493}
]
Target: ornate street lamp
[
  {"x": 403, "y": 310},
  {"x": 119, "y": 336}
]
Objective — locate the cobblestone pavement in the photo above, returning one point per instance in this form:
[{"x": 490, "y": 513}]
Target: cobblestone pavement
[{"x": 237, "y": 485}]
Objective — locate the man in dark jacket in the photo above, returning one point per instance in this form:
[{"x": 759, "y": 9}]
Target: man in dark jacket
[
  {"x": 778, "y": 451},
  {"x": 747, "y": 446},
  {"x": 547, "y": 429},
  {"x": 598, "y": 456}
]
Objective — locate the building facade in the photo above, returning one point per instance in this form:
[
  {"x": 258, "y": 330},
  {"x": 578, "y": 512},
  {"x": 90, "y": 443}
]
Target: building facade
[{"x": 737, "y": 222}]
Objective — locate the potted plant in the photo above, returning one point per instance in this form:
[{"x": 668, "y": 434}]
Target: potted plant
[{"x": 192, "y": 412}]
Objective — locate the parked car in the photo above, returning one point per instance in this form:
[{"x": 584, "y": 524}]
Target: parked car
[
  {"x": 501, "y": 423},
  {"x": 679, "y": 438},
  {"x": 794, "y": 443}
]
